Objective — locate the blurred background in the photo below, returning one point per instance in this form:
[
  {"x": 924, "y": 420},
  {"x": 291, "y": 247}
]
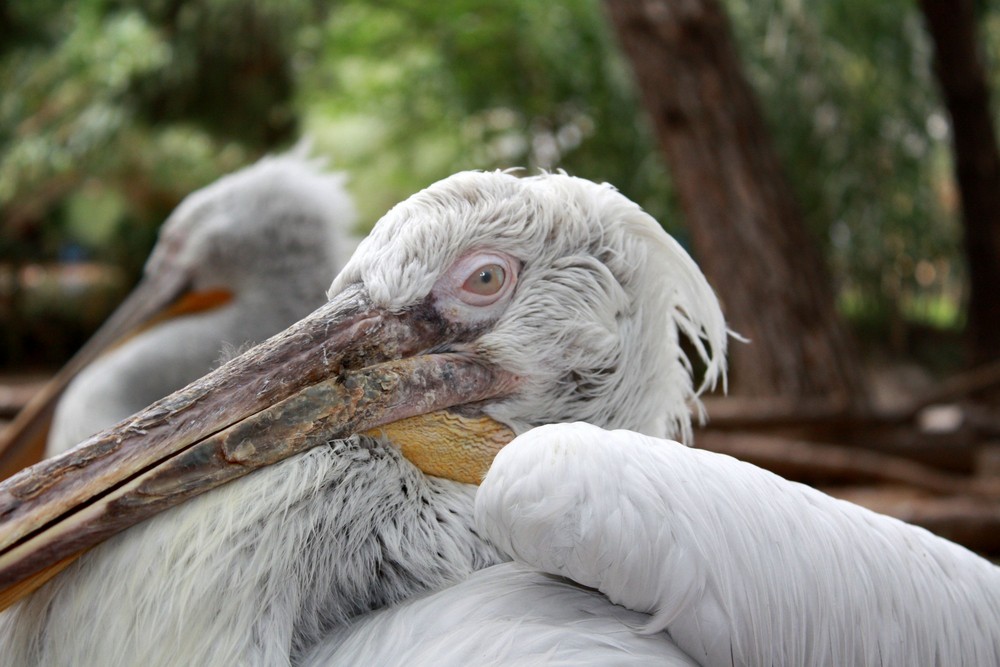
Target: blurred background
[
  {"x": 112, "y": 111},
  {"x": 830, "y": 122}
]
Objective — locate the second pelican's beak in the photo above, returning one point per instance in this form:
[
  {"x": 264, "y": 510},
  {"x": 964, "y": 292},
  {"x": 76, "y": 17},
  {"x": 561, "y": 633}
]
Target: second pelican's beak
[
  {"x": 350, "y": 367},
  {"x": 158, "y": 297}
]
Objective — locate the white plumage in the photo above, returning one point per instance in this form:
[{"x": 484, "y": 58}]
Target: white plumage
[
  {"x": 272, "y": 235},
  {"x": 738, "y": 565},
  {"x": 258, "y": 571},
  {"x": 734, "y": 565},
  {"x": 605, "y": 294},
  {"x": 507, "y": 614},
  {"x": 728, "y": 563}
]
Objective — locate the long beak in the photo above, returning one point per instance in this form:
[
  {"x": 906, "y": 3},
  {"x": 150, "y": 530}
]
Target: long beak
[
  {"x": 348, "y": 368},
  {"x": 155, "y": 298}
]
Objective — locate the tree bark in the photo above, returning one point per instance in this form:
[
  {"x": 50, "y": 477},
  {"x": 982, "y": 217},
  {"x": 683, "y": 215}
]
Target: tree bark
[
  {"x": 960, "y": 73},
  {"x": 745, "y": 225}
]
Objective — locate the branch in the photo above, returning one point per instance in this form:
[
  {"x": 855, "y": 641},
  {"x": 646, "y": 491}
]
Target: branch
[
  {"x": 813, "y": 462},
  {"x": 964, "y": 520}
]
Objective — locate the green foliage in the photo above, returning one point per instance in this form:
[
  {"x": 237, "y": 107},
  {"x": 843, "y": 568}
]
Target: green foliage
[
  {"x": 144, "y": 102},
  {"x": 111, "y": 113},
  {"x": 849, "y": 91},
  {"x": 113, "y": 110},
  {"x": 407, "y": 92},
  {"x": 229, "y": 68}
]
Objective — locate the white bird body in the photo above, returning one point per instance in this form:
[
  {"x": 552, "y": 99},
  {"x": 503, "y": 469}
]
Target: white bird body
[
  {"x": 507, "y": 614},
  {"x": 258, "y": 571},
  {"x": 738, "y": 565},
  {"x": 270, "y": 236},
  {"x": 291, "y": 564}
]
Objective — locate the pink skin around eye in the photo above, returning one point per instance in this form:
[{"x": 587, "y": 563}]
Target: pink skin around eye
[{"x": 482, "y": 278}]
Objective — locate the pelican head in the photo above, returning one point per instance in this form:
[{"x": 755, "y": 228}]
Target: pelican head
[
  {"x": 235, "y": 263},
  {"x": 585, "y": 299},
  {"x": 482, "y": 306},
  {"x": 274, "y": 230}
]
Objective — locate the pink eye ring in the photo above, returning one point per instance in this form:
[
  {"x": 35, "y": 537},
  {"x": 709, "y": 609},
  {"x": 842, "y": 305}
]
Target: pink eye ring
[{"x": 481, "y": 278}]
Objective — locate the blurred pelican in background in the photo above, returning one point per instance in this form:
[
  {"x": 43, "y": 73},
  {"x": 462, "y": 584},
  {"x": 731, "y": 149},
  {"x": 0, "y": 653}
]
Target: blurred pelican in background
[{"x": 235, "y": 263}]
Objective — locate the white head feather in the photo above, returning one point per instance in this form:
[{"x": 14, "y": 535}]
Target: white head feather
[{"x": 602, "y": 300}]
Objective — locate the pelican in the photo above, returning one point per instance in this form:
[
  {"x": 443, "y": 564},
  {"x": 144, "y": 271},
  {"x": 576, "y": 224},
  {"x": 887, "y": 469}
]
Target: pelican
[
  {"x": 316, "y": 501},
  {"x": 235, "y": 263}
]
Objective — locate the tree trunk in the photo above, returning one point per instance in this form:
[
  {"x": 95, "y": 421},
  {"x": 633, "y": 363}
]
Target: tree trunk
[
  {"x": 952, "y": 25},
  {"x": 745, "y": 225}
]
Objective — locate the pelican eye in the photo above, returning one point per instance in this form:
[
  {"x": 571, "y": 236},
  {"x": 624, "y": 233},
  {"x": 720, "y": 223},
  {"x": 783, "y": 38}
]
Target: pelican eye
[
  {"x": 487, "y": 280},
  {"x": 480, "y": 279}
]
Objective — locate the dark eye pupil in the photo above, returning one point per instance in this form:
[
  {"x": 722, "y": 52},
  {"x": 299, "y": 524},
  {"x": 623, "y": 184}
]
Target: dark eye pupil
[{"x": 485, "y": 277}]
